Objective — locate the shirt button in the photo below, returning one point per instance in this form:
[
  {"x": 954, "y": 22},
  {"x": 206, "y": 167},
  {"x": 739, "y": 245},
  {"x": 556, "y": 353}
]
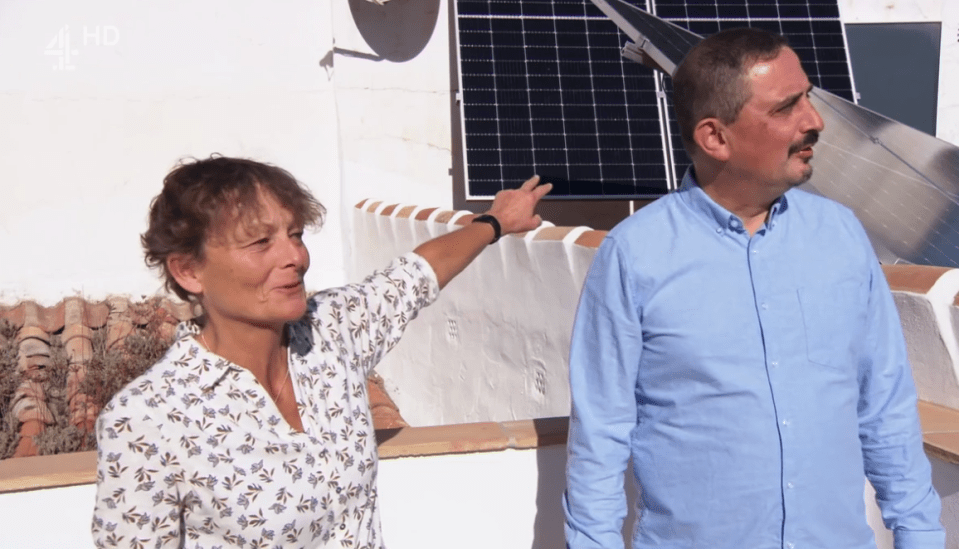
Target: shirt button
[
  {"x": 790, "y": 545},
  {"x": 764, "y": 306},
  {"x": 774, "y": 364},
  {"x": 719, "y": 230},
  {"x": 755, "y": 251},
  {"x": 789, "y": 485},
  {"x": 786, "y": 422}
]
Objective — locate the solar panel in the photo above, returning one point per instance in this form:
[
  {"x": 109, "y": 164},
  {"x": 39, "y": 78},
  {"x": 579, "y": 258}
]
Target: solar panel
[{"x": 544, "y": 89}]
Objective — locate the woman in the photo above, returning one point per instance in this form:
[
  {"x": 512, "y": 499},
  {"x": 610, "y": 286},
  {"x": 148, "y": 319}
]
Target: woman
[{"x": 254, "y": 430}]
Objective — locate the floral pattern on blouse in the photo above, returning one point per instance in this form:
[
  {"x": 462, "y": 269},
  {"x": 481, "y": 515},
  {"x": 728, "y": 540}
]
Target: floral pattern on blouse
[{"x": 194, "y": 453}]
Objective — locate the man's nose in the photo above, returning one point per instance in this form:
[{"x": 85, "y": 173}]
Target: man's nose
[{"x": 812, "y": 120}]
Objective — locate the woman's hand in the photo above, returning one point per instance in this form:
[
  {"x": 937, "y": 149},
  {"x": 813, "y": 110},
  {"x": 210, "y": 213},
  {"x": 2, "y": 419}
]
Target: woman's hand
[{"x": 514, "y": 209}]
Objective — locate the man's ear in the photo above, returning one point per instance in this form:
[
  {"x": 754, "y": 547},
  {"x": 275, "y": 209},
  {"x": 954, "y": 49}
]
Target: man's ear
[
  {"x": 185, "y": 270},
  {"x": 710, "y": 136}
]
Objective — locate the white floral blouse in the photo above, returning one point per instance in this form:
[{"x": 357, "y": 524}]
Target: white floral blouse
[{"x": 194, "y": 453}]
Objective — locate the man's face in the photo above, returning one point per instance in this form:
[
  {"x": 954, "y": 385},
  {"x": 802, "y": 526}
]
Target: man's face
[{"x": 771, "y": 140}]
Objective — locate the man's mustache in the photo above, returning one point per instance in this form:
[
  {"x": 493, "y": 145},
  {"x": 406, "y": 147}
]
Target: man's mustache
[{"x": 810, "y": 139}]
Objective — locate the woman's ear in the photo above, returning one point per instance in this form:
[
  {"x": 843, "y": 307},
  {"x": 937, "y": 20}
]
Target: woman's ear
[
  {"x": 185, "y": 270},
  {"x": 710, "y": 136}
]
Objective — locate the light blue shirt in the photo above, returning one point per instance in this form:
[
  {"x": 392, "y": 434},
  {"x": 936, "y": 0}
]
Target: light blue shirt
[{"x": 754, "y": 382}]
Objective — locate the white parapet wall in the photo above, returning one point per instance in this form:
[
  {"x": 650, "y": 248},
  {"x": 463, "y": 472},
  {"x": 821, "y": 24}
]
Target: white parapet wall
[
  {"x": 926, "y": 299},
  {"x": 494, "y": 347}
]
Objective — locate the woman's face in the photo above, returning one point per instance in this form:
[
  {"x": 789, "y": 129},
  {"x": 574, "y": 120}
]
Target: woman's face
[{"x": 253, "y": 268}]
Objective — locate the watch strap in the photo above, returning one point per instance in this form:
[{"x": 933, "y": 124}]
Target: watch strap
[{"x": 493, "y": 222}]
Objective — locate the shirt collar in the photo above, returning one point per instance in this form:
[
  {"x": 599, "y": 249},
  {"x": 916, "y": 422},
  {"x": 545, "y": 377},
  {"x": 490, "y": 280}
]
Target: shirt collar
[
  {"x": 214, "y": 367},
  {"x": 697, "y": 199}
]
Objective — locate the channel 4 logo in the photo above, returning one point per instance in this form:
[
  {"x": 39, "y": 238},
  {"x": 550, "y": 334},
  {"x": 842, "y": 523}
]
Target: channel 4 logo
[{"x": 66, "y": 50}]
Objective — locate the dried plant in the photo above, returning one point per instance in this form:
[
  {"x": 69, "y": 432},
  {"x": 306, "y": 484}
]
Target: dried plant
[
  {"x": 107, "y": 371},
  {"x": 61, "y": 437},
  {"x": 9, "y": 382},
  {"x": 112, "y": 369}
]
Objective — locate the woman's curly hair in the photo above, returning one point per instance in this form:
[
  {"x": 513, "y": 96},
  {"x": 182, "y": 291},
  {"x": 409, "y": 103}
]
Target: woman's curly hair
[{"x": 201, "y": 196}]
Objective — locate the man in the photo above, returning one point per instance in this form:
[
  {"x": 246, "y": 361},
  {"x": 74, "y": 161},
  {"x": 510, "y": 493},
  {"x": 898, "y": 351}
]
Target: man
[{"x": 738, "y": 341}]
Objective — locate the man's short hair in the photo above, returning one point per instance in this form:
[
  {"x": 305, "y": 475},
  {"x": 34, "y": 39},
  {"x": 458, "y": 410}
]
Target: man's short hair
[{"x": 712, "y": 80}]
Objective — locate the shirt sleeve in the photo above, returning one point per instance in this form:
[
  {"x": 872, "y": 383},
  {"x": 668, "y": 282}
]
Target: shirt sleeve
[
  {"x": 889, "y": 429},
  {"x": 370, "y": 317},
  {"x": 137, "y": 503},
  {"x": 604, "y": 359}
]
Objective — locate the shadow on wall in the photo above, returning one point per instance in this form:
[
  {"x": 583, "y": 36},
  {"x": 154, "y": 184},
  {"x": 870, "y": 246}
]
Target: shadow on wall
[
  {"x": 548, "y": 527},
  {"x": 944, "y": 478},
  {"x": 399, "y": 30}
]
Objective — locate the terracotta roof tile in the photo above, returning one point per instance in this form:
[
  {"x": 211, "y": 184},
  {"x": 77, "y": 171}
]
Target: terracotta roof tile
[
  {"x": 385, "y": 413},
  {"x": 405, "y": 211},
  {"x": 553, "y": 233},
  {"x": 913, "y": 278},
  {"x": 26, "y": 447},
  {"x": 442, "y": 439},
  {"x": 591, "y": 239},
  {"x": 444, "y": 216},
  {"x": 424, "y": 214},
  {"x": 463, "y": 218},
  {"x": 32, "y": 332},
  {"x": 533, "y": 433}
]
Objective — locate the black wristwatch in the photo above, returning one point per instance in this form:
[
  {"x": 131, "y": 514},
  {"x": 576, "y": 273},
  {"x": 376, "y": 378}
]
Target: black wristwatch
[{"x": 497, "y": 229}]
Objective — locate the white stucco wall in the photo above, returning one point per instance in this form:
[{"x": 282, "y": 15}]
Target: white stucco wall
[
  {"x": 947, "y": 125},
  {"x": 85, "y": 147},
  {"x": 25, "y": 520},
  {"x": 891, "y": 11},
  {"x": 392, "y": 76},
  {"x": 494, "y": 346}
]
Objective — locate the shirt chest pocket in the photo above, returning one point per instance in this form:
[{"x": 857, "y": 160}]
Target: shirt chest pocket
[{"x": 833, "y": 316}]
